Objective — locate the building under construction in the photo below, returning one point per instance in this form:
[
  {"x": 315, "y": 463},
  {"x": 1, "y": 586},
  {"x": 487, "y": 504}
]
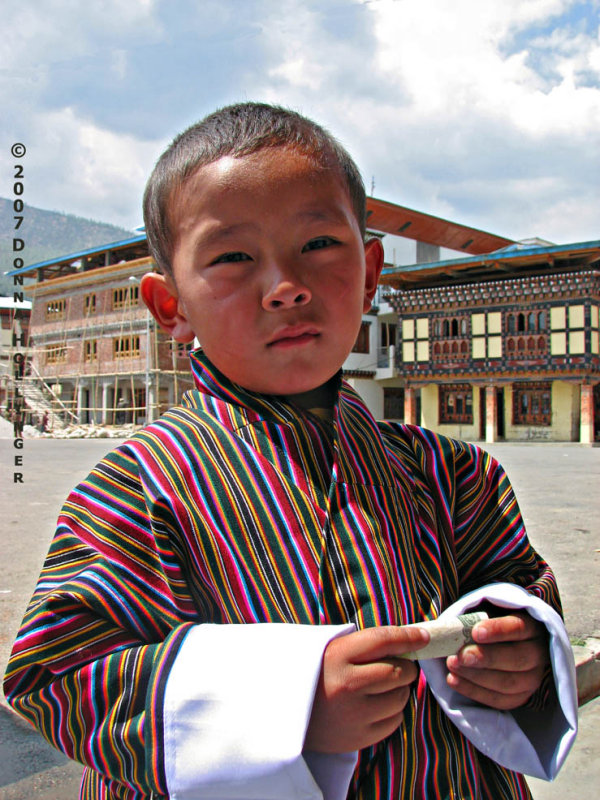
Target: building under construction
[{"x": 94, "y": 352}]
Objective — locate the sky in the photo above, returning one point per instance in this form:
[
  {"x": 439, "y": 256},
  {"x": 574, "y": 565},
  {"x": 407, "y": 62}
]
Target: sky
[{"x": 484, "y": 112}]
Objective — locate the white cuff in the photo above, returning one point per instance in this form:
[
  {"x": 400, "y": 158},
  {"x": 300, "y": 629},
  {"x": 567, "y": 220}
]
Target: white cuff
[
  {"x": 237, "y": 704},
  {"x": 528, "y": 741}
]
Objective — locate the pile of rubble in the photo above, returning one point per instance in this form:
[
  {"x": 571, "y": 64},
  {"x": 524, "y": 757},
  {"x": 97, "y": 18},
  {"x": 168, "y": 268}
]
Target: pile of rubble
[
  {"x": 6, "y": 429},
  {"x": 90, "y": 431}
]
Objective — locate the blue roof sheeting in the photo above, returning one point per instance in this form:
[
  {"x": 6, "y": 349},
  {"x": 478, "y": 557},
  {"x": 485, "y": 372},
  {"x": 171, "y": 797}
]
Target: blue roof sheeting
[
  {"x": 505, "y": 254},
  {"x": 79, "y": 254}
]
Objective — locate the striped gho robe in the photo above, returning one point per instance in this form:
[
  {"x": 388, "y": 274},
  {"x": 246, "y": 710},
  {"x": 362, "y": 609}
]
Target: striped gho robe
[{"x": 240, "y": 508}]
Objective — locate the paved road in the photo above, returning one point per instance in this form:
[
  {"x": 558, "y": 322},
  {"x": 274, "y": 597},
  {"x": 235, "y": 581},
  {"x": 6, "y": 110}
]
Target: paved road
[{"x": 557, "y": 487}]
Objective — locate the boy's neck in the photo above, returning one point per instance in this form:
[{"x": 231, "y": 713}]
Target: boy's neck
[{"x": 322, "y": 397}]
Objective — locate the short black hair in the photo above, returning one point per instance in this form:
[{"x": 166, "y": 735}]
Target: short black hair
[{"x": 238, "y": 130}]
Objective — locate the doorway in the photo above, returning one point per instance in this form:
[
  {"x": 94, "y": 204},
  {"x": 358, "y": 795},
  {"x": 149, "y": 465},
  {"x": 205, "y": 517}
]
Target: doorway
[
  {"x": 500, "y": 413},
  {"x": 500, "y": 426}
]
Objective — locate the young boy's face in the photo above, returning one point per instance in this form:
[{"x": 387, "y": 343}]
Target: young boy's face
[{"x": 270, "y": 270}]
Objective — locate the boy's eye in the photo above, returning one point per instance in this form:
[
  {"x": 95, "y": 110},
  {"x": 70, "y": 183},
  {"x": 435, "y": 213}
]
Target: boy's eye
[
  {"x": 319, "y": 243},
  {"x": 227, "y": 258}
]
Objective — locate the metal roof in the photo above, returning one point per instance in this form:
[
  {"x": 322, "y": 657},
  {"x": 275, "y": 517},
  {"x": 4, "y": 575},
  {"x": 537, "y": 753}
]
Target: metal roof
[
  {"x": 401, "y": 221},
  {"x": 69, "y": 258},
  {"x": 511, "y": 261}
]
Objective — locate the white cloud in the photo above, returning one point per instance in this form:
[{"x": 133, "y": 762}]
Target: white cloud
[
  {"x": 102, "y": 173},
  {"x": 449, "y": 57},
  {"x": 298, "y": 72},
  {"x": 574, "y": 218},
  {"x": 41, "y": 32}
]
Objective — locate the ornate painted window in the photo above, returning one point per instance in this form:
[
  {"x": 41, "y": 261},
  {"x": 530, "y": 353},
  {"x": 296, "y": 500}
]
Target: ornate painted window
[
  {"x": 393, "y": 403},
  {"x": 532, "y": 403},
  {"x": 456, "y": 403}
]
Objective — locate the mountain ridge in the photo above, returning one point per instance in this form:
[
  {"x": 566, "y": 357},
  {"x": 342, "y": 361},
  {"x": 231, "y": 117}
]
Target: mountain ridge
[{"x": 48, "y": 234}]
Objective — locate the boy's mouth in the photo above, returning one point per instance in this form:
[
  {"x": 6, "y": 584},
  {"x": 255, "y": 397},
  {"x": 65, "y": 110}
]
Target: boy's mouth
[{"x": 294, "y": 336}]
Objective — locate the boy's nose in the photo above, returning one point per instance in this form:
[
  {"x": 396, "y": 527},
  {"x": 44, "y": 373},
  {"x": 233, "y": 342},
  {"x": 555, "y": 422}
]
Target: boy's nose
[{"x": 286, "y": 292}]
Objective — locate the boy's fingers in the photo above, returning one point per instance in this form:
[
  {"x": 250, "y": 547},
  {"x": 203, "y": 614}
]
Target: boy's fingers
[
  {"x": 389, "y": 641},
  {"x": 380, "y": 730},
  {"x": 503, "y": 701},
  {"x": 387, "y": 675},
  {"x": 510, "y": 628},
  {"x": 510, "y": 657},
  {"x": 379, "y": 707},
  {"x": 378, "y": 677},
  {"x": 498, "y": 681}
]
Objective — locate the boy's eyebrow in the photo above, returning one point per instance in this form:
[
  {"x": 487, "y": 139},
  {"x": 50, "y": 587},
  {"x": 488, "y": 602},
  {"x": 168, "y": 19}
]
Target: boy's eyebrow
[
  {"x": 216, "y": 233},
  {"x": 320, "y": 215}
]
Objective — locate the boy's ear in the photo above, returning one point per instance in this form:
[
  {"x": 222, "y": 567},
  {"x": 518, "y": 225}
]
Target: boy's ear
[
  {"x": 373, "y": 267},
  {"x": 160, "y": 295}
]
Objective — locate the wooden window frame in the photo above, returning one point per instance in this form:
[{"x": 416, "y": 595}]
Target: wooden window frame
[
  {"x": 89, "y": 304},
  {"x": 460, "y": 410},
  {"x": 125, "y": 297},
  {"x": 56, "y": 310},
  {"x": 56, "y": 354},
  {"x": 126, "y": 347},
  {"x": 90, "y": 350},
  {"x": 363, "y": 340},
  {"x": 532, "y": 403},
  {"x": 393, "y": 396}
]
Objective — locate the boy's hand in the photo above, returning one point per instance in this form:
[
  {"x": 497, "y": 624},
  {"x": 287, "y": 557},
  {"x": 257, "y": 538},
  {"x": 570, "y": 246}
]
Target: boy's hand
[
  {"x": 363, "y": 688},
  {"x": 505, "y": 666}
]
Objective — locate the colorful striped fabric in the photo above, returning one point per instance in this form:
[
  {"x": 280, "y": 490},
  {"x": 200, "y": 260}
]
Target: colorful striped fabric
[{"x": 238, "y": 508}]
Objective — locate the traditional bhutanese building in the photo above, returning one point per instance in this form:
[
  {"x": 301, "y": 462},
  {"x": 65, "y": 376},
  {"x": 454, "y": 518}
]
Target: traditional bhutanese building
[{"x": 502, "y": 346}]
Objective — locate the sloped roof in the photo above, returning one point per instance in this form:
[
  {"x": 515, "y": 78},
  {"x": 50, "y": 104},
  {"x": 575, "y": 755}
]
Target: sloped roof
[
  {"x": 124, "y": 249},
  {"x": 401, "y": 221}
]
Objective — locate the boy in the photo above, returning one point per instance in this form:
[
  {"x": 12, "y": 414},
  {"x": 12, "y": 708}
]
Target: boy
[{"x": 271, "y": 496}]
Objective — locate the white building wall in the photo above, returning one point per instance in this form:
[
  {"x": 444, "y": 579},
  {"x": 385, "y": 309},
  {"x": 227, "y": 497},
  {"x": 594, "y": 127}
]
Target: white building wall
[{"x": 372, "y": 394}]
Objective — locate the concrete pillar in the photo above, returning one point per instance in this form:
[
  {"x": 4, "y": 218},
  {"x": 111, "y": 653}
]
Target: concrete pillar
[
  {"x": 151, "y": 402},
  {"x": 491, "y": 414},
  {"x": 95, "y": 414},
  {"x": 410, "y": 406},
  {"x": 586, "y": 430},
  {"x": 105, "y": 388},
  {"x": 80, "y": 402}
]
